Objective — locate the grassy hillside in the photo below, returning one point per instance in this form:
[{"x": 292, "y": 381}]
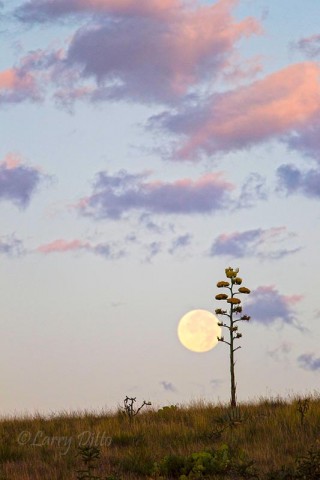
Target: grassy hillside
[{"x": 257, "y": 440}]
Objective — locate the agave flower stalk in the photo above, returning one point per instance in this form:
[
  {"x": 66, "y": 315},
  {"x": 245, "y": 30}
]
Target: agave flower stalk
[{"x": 235, "y": 309}]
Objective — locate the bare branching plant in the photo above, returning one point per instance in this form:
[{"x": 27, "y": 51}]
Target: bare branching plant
[
  {"x": 129, "y": 409},
  {"x": 303, "y": 407},
  {"x": 233, "y": 316}
]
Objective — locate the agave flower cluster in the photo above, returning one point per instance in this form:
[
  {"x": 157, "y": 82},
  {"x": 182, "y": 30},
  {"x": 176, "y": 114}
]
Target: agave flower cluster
[
  {"x": 233, "y": 285},
  {"x": 232, "y": 274}
]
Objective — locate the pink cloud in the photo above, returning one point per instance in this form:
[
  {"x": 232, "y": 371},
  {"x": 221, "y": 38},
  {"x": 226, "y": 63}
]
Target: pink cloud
[
  {"x": 261, "y": 243},
  {"x": 17, "y": 85},
  {"x": 286, "y": 299},
  {"x": 269, "y": 108},
  {"x": 8, "y": 79},
  {"x": 46, "y": 10},
  {"x": 11, "y": 161},
  {"x": 293, "y": 299},
  {"x": 64, "y": 246},
  {"x": 145, "y": 51},
  {"x": 32, "y": 75},
  {"x": 267, "y": 306},
  {"x": 61, "y": 246},
  {"x": 115, "y": 195},
  {"x": 148, "y": 51}
]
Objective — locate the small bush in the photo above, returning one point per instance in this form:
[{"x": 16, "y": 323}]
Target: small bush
[
  {"x": 139, "y": 462},
  {"x": 171, "y": 466},
  {"x": 284, "y": 473},
  {"x": 207, "y": 464},
  {"x": 167, "y": 411},
  {"x": 308, "y": 466},
  {"x": 195, "y": 465}
]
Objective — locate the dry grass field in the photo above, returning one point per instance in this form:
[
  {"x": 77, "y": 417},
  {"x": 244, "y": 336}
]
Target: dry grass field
[{"x": 268, "y": 439}]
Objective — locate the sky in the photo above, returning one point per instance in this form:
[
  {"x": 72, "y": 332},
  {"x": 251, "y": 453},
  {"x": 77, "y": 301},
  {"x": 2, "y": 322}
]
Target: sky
[{"x": 145, "y": 147}]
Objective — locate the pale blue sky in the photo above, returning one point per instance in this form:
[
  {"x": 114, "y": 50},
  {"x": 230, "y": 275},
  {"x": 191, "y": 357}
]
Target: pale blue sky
[{"x": 95, "y": 276}]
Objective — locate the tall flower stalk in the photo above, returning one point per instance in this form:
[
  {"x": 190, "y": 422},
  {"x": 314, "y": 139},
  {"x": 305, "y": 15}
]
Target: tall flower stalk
[{"x": 233, "y": 285}]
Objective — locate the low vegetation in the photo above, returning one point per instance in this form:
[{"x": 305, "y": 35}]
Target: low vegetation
[{"x": 270, "y": 439}]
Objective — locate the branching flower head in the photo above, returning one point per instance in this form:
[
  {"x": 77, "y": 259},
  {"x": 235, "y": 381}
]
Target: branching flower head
[
  {"x": 244, "y": 290},
  {"x": 219, "y": 311},
  {"x": 234, "y": 300},
  {"x": 237, "y": 309},
  {"x": 221, "y": 296},
  {"x": 231, "y": 273}
]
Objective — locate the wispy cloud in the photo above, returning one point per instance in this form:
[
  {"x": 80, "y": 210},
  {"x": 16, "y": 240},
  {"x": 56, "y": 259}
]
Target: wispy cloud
[
  {"x": 310, "y": 46},
  {"x": 306, "y": 140},
  {"x": 105, "y": 250},
  {"x": 261, "y": 243},
  {"x": 168, "y": 386},
  {"x": 114, "y": 250},
  {"x": 115, "y": 195},
  {"x": 216, "y": 382},
  {"x": 62, "y": 246},
  {"x": 11, "y": 246},
  {"x": 272, "y": 108},
  {"x": 293, "y": 180},
  {"x": 18, "y": 181},
  {"x": 147, "y": 220},
  {"x": 180, "y": 242},
  {"x": 280, "y": 352},
  {"x": 17, "y": 85},
  {"x": 308, "y": 361},
  {"x": 153, "y": 249},
  {"x": 33, "y": 76},
  {"x": 253, "y": 189},
  {"x": 267, "y": 306}
]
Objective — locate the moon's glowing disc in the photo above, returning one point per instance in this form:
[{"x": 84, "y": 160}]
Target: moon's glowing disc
[{"x": 198, "y": 330}]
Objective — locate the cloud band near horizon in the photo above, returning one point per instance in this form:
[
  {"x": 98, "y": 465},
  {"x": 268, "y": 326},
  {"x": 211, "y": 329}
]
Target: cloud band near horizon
[
  {"x": 261, "y": 243},
  {"x": 115, "y": 195}
]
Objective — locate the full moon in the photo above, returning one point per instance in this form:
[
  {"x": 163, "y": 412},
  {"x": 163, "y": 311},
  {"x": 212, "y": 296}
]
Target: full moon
[{"x": 198, "y": 330}]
